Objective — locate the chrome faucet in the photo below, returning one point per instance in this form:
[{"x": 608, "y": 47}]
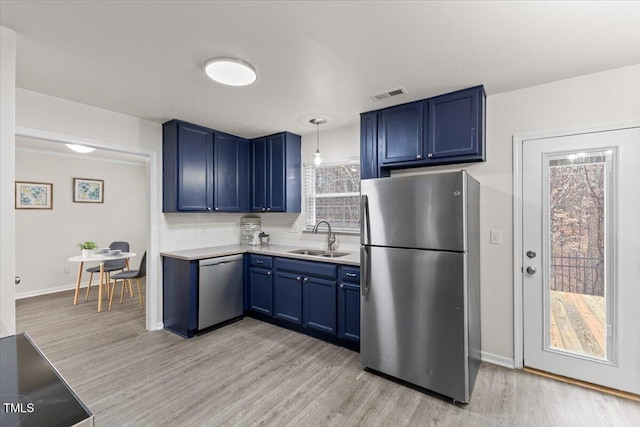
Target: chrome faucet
[{"x": 331, "y": 237}]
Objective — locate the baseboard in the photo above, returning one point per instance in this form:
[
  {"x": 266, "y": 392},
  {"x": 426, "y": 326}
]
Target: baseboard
[
  {"x": 497, "y": 359},
  {"x": 585, "y": 384},
  {"x": 36, "y": 293}
]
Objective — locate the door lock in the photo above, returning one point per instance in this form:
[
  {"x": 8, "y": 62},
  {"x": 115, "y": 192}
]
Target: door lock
[
  {"x": 531, "y": 270},
  {"x": 531, "y": 254}
]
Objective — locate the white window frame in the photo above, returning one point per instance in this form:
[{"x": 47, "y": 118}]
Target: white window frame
[{"x": 309, "y": 196}]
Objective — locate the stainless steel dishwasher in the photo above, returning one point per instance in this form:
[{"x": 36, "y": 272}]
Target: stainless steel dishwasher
[{"x": 220, "y": 290}]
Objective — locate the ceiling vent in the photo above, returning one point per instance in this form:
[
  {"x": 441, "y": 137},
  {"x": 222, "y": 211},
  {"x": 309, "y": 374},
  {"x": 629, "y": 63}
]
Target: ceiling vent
[{"x": 389, "y": 94}]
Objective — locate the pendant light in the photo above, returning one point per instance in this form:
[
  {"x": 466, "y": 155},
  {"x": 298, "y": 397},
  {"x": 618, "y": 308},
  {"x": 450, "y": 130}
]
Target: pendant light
[{"x": 317, "y": 156}]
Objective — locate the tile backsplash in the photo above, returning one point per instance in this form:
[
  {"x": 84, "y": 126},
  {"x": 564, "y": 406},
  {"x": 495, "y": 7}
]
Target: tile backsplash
[{"x": 179, "y": 231}]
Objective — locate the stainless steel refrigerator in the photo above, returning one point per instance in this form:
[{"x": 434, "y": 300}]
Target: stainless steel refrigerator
[{"x": 420, "y": 280}]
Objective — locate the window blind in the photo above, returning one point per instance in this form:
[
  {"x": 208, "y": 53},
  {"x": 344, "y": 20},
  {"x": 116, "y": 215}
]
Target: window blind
[{"x": 332, "y": 193}]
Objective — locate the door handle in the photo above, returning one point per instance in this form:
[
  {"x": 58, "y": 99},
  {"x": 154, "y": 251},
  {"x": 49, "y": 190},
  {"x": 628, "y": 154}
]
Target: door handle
[
  {"x": 365, "y": 238},
  {"x": 364, "y": 274},
  {"x": 531, "y": 270}
]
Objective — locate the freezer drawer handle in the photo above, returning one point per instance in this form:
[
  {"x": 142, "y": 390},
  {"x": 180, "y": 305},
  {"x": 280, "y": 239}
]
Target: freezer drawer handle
[{"x": 350, "y": 274}]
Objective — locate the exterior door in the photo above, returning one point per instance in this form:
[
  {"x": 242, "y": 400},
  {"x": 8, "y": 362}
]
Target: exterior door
[{"x": 581, "y": 260}]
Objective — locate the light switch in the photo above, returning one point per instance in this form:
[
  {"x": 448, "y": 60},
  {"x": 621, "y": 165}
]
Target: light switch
[{"x": 495, "y": 237}]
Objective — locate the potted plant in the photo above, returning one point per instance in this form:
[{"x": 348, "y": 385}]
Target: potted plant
[
  {"x": 264, "y": 238},
  {"x": 87, "y": 248}
]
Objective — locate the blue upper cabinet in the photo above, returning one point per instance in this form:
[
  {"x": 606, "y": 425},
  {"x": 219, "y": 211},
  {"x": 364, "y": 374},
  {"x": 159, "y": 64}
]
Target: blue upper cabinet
[
  {"x": 205, "y": 170},
  {"x": 258, "y": 175},
  {"x": 369, "y": 146},
  {"x": 445, "y": 129},
  {"x": 275, "y": 173},
  {"x": 400, "y": 133},
  {"x": 455, "y": 126},
  {"x": 231, "y": 183},
  {"x": 187, "y": 167}
]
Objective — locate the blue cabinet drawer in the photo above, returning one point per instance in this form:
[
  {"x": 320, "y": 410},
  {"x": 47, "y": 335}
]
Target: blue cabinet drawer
[
  {"x": 260, "y": 261},
  {"x": 316, "y": 269},
  {"x": 349, "y": 274}
]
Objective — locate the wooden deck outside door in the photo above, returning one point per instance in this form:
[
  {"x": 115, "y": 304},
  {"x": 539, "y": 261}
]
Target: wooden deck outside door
[{"x": 581, "y": 260}]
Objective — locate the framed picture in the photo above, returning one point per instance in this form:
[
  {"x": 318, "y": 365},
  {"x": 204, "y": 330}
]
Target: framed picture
[
  {"x": 34, "y": 195},
  {"x": 88, "y": 190}
]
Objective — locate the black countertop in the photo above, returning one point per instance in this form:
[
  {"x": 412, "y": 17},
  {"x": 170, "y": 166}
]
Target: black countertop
[{"x": 32, "y": 392}]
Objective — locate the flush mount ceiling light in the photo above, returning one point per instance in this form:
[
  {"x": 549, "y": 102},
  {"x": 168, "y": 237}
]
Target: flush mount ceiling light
[
  {"x": 230, "y": 71},
  {"x": 80, "y": 148},
  {"x": 317, "y": 156}
]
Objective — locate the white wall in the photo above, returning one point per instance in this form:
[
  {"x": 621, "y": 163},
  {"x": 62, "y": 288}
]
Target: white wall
[
  {"x": 7, "y": 131},
  {"x": 52, "y": 235}
]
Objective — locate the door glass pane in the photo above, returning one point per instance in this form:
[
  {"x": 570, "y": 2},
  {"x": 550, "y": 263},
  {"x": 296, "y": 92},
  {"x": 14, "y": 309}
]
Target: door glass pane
[{"x": 578, "y": 243}]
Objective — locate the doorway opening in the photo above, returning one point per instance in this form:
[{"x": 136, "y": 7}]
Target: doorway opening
[{"x": 153, "y": 313}]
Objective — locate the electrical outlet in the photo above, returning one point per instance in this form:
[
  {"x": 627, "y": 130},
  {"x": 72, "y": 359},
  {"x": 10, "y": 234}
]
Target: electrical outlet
[
  {"x": 203, "y": 229},
  {"x": 293, "y": 228},
  {"x": 66, "y": 270},
  {"x": 495, "y": 236}
]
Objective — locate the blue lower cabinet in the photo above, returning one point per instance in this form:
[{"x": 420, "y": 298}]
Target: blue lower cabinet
[
  {"x": 180, "y": 296},
  {"x": 349, "y": 303},
  {"x": 261, "y": 290},
  {"x": 349, "y": 311},
  {"x": 319, "y": 304},
  {"x": 287, "y": 297}
]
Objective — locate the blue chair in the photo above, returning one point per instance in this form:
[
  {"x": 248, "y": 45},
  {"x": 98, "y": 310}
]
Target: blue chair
[
  {"x": 109, "y": 266},
  {"x": 130, "y": 275}
]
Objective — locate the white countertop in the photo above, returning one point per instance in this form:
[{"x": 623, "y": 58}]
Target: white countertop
[{"x": 272, "y": 250}]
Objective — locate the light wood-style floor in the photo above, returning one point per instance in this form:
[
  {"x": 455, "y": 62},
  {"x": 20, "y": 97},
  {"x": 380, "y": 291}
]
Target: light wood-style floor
[
  {"x": 578, "y": 323},
  {"x": 251, "y": 372}
]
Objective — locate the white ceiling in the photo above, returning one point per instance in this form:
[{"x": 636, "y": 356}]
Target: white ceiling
[{"x": 314, "y": 59}]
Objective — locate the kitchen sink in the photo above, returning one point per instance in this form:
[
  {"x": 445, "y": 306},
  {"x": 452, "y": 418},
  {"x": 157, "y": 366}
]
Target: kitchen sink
[
  {"x": 319, "y": 253},
  {"x": 334, "y": 254}
]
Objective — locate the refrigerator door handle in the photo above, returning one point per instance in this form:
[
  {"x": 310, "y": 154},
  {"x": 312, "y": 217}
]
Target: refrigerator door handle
[
  {"x": 364, "y": 274},
  {"x": 365, "y": 233}
]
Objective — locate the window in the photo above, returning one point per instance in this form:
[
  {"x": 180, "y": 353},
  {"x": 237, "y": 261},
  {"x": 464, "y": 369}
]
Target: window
[{"x": 332, "y": 193}]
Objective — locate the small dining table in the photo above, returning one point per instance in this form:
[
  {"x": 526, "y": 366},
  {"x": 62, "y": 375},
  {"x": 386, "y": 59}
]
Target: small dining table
[{"x": 101, "y": 259}]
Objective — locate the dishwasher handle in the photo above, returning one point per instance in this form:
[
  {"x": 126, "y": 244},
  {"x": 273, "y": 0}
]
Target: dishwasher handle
[{"x": 219, "y": 260}]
